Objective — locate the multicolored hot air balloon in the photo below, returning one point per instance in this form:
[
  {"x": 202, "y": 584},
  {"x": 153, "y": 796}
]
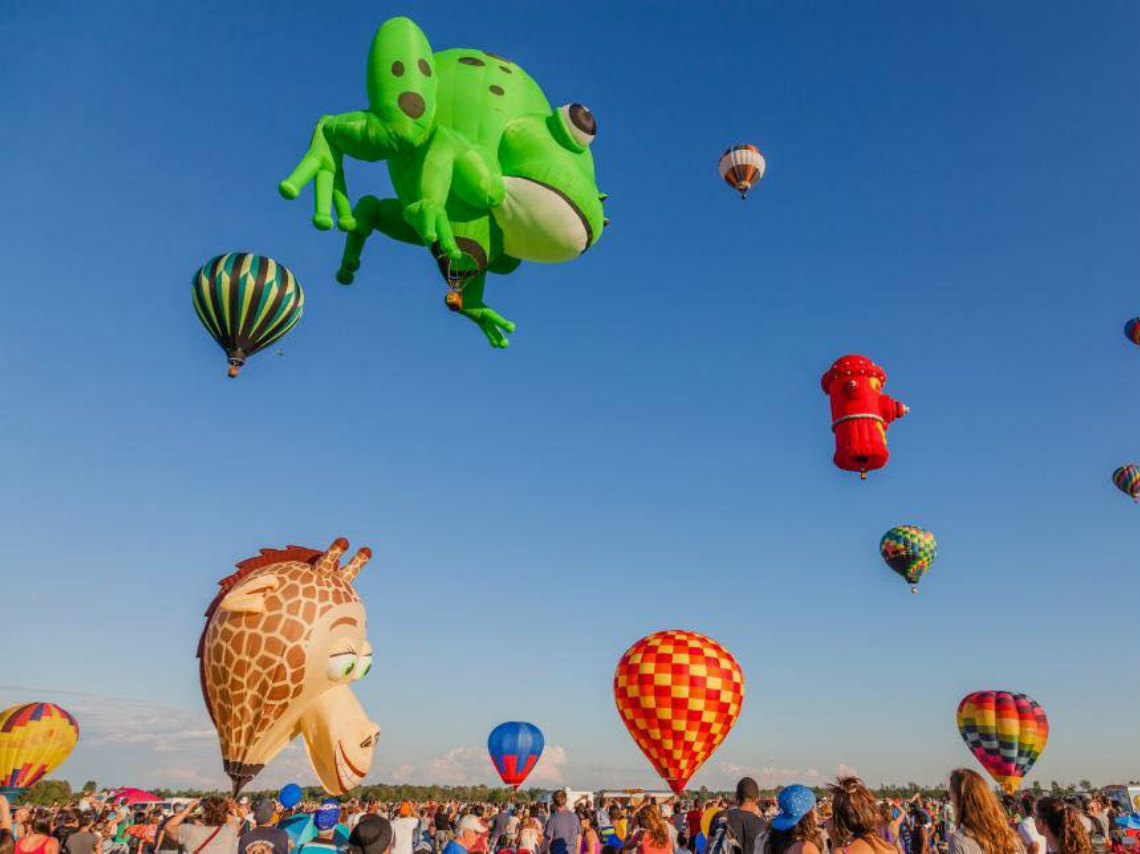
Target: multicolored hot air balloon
[
  {"x": 515, "y": 747},
  {"x": 741, "y": 167},
  {"x": 1127, "y": 480},
  {"x": 1132, "y": 330},
  {"x": 1006, "y": 733},
  {"x": 246, "y": 302},
  {"x": 909, "y": 551},
  {"x": 35, "y": 738},
  {"x": 679, "y": 694}
]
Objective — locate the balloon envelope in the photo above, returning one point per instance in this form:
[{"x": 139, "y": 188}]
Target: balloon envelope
[
  {"x": 246, "y": 302},
  {"x": 1127, "y": 480},
  {"x": 35, "y": 738},
  {"x": 1006, "y": 732},
  {"x": 1132, "y": 330},
  {"x": 290, "y": 795},
  {"x": 909, "y": 551},
  {"x": 302, "y": 828},
  {"x": 679, "y": 694},
  {"x": 515, "y": 747}
]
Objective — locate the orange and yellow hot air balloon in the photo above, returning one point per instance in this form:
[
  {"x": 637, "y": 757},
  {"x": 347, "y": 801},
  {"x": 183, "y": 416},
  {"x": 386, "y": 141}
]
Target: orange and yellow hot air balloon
[
  {"x": 742, "y": 167},
  {"x": 35, "y": 738},
  {"x": 679, "y": 693}
]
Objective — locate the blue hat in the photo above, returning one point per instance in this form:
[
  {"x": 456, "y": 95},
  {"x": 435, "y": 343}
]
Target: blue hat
[
  {"x": 794, "y": 801},
  {"x": 327, "y": 815}
]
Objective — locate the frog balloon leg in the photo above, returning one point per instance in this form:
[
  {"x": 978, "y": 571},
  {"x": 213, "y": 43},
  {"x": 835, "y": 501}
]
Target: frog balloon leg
[{"x": 486, "y": 174}]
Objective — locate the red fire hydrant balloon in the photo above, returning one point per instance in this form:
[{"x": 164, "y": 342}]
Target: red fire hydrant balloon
[{"x": 860, "y": 413}]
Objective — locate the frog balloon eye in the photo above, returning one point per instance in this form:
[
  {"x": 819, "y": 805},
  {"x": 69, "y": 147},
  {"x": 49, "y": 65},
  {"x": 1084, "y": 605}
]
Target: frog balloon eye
[
  {"x": 342, "y": 665},
  {"x": 580, "y": 123},
  {"x": 363, "y": 665}
]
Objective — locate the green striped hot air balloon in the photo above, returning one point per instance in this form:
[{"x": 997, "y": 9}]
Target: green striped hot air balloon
[{"x": 246, "y": 302}]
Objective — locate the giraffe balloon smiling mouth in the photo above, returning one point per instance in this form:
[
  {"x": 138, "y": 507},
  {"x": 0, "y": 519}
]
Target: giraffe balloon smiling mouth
[{"x": 285, "y": 638}]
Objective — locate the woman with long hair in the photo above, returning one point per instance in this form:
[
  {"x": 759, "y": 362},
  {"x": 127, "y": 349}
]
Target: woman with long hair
[
  {"x": 795, "y": 830},
  {"x": 40, "y": 840},
  {"x": 982, "y": 824},
  {"x": 855, "y": 824},
  {"x": 1060, "y": 823},
  {"x": 651, "y": 835},
  {"x": 590, "y": 842}
]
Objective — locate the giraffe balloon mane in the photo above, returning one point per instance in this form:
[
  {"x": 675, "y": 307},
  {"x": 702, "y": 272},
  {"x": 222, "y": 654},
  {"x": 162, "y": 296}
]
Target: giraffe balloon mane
[{"x": 285, "y": 637}]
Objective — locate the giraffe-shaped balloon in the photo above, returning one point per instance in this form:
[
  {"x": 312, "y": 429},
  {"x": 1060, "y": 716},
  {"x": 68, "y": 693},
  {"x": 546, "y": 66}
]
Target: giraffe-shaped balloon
[{"x": 284, "y": 639}]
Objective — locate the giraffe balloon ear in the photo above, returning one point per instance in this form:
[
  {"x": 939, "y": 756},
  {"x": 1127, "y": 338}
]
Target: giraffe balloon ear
[{"x": 249, "y": 598}]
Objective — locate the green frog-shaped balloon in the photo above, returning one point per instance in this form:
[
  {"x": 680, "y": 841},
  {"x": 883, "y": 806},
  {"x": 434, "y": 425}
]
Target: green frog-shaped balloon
[{"x": 486, "y": 174}]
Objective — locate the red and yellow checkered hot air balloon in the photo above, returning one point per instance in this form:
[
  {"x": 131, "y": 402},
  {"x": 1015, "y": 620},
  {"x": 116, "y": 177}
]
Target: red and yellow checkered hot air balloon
[
  {"x": 679, "y": 693},
  {"x": 35, "y": 738}
]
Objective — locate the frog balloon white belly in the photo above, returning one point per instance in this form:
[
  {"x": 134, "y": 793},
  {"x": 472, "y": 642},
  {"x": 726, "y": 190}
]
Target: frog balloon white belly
[{"x": 540, "y": 223}]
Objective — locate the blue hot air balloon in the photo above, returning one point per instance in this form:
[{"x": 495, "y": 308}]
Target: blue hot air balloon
[{"x": 515, "y": 747}]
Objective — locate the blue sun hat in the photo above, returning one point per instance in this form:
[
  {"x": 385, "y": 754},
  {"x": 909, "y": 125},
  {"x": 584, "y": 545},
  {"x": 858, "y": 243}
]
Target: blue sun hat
[
  {"x": 327, "y": 814},
  {"x": 795, "y": 801}
]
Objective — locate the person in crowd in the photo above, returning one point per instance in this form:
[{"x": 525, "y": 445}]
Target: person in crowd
[
  {"x": 682, "y": 846},
  {"x": 264, "y": 838},
  {"x": 468, "y": 833},
  {"x": 40, "y": 839},
  {"x": 854, "y": 824},
  {"x": 404, "y": 829},
  {"x": 744, "y": 820},
  {"x": 591, "y": 841},
  {"x": 216, "y": 834},
  {"x": 795, "y": 828},
  {"x": 1031, "y": 838},
  {"x": 562, "y": 828},
  {"x": 325, "y": 820},
  {"x": 1097, "y": 829},
  {"x": 443, "y": 827},
  {"x": 920, "y": 839},
  {"x": 650, "y": 834},
  {"x": 530, "y": 834},
  {"x": 1060, "y": 823},
  {"x": 982, "y": 824},
  {"x": 499, "y": 828},
  {"x": 84, "y": 840},
  {"x": 372, "y": 835}
]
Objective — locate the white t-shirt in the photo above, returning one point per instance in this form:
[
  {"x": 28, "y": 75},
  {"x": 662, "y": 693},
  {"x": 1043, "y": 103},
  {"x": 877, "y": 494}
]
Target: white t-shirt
[
  {"x": 1027, "y": 830},
  {"x": 404, "y": 834}
]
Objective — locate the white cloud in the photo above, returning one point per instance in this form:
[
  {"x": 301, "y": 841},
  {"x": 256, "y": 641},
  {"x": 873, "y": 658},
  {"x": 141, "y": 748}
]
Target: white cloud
[
  {"x": 550, "y": 767},
  {"x": 769, "y": 777}
]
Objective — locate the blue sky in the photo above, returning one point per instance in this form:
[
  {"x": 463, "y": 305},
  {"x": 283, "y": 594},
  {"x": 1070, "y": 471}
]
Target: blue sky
[{"x": 951, "y": 190}]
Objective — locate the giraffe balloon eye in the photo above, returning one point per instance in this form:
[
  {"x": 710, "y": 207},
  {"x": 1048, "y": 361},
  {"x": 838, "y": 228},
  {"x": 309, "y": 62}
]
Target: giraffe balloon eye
[
  {"x": 342, "y": 665},
  {"x": 363, "y": 665}
]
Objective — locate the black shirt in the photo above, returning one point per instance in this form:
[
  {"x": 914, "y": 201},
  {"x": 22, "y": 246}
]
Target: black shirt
[
  {"x": 746, "y": 827},
  {"x": 264, "y": 840}
]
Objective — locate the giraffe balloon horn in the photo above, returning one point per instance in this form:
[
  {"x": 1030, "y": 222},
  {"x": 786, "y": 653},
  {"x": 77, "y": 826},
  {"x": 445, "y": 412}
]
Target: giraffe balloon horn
[
  {"x": 329, "y": 562},
  {"x": 351, "y": 569}
]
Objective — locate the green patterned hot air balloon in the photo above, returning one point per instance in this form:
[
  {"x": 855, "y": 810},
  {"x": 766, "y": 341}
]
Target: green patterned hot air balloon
[
  {"x": 246, "y": 302},
  {"x": 909, "y": 551}
]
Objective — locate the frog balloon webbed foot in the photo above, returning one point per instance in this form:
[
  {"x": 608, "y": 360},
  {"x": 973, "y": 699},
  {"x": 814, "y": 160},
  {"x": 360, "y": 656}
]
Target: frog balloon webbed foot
[{"x": 494, "y": 325}]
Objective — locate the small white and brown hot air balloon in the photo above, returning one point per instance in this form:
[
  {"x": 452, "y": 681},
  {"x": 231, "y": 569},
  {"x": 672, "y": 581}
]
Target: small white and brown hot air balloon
[{"x": 741, "y": 167}]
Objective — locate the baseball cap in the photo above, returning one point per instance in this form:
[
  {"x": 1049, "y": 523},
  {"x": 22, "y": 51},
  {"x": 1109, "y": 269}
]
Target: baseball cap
[
  {"x": 794, "y": 801},
  {"x": 263, "y": 812},
  {"x": 372, "y": 834},
  {"x": 470, "y": 822},
  {"x": 327, "y": 815}
]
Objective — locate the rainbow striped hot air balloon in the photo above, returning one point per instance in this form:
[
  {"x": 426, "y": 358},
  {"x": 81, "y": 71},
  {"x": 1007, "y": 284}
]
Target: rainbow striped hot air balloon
[
  {"x": 35, "y": 738},
  {"x": 741, "y": 167},
  {"x": 1006, "y": 733},
  {"x": 1127, "y": 480},
  {"x": 909, "y": 551},
  {"x": 246, "y": 302}
]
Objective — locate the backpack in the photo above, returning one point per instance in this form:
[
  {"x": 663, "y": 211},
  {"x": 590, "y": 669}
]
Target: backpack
[{"x": 721, "y": 838}]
